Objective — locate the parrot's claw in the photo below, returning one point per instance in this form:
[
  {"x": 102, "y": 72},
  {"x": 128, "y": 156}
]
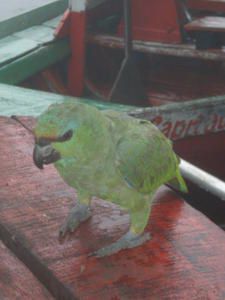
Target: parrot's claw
[
  {"x": 129, "y": 240},
  {"x": 77, "y": 215}
]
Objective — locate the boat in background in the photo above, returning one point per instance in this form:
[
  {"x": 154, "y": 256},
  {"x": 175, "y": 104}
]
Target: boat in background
[{"x": 179, "y": 73}]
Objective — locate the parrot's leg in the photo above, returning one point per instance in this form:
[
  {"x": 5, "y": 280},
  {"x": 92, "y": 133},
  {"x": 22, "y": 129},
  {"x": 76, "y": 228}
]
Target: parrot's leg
[
  {"x": 78, "y": 214},
  {"x": 135, "y": 236}
]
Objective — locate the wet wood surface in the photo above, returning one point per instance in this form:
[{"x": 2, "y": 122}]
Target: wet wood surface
[
  {"x": 183, "y": 260},
  {"x": 16, "y": 281}
]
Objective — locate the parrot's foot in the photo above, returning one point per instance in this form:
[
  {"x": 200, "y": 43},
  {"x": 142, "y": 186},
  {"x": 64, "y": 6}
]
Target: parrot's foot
[
  {"x": 129, "y": 240},
  {"x": 77, "y": 215}
]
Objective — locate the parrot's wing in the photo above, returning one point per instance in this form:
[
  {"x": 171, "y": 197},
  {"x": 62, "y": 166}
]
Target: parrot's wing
[
  {"x": 178, "y": 182},
  {"x": 146, "y": 160}
]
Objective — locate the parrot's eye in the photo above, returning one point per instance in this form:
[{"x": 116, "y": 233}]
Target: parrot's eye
[
  {"x": 63, "y": 138},
  {"x": 66, "y": 136},
  {"x": 43, "y": 142}
]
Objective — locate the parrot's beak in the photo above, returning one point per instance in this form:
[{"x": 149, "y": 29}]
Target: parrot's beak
[{"x": 44, "y": 155}]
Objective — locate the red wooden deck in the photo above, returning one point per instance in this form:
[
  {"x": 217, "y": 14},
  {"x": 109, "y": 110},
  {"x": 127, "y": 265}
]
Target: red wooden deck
[
  {"x": 16, "y": 281},
  {"x": 184, "y": 259}
]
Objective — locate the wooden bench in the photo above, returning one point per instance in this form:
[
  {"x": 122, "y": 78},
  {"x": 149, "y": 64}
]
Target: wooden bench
[
  {"x": 165, "y": 49},
  {"x": 183, "y": 260},
  {"x": 16, "y": 281},
  {"x": 209, "y": 24},
  {"x": 209, "y": 31}
]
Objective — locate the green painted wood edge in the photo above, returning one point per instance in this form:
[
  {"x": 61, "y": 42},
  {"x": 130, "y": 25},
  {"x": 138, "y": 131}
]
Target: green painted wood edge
[
  {"x": 53, "y": 23},
  {"x": 34, "y": 17},
  {"x": 27, "y": 65},
  {"x": 28, "y": 102},
  {"x": 38, "y": 33},
  {"x": 12, "y": 48}
]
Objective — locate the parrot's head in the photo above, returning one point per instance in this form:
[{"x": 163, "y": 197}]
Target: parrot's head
[{"x": 55, "y": 131}]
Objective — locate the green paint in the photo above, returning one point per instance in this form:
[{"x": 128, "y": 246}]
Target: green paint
[
  {"x": 54, "y": 22},
  {"x": 26, "y": 102},
  {"x": 23, "y": 53},
  {"x": 24, "y": 67},
  {"x": 40, "y": 34},
  {"x": 33, "y": 17},
  {"x": 13, "y": 47}
]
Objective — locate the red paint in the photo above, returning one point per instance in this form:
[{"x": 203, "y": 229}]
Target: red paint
[
  {"x": 207, "y": 152},
  {"x": 63, "y": 28},
  {"x": 221, "y": 122},
  {"x": 49, "y": 80},
  {"x": 16, "y": 281},
  {"x": 155, "y": 20},
  {"x": 213, "y": 124},
  {"x": 157, "y": 120},
  {"x": 190, "y": 78},
  {"x": 76, "y": 67},
  {"x": 210, "y": 5},
  {"x": 166, "y": 128},
  {"x": 178, "y": 129},
  {"x": 192, "y": 124},
  {"x": 54, "y": 81},
  {"x": 183, "y": 260}
]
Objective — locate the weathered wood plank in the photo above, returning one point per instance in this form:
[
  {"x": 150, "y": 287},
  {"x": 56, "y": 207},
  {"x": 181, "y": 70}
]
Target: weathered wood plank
[
  {"x": 13, "y": 8},
  {"x": 16, "y": 281},
  {"x": 37, "y": 60},
  {"x": 53, "y": 23},
  {"x": 22, "y": 42},
  {"x": 13, "y": 47},
  {"x": 40, "y": 34},
  {"x": 176, "y": 120},
  {"x": 191, "y": 118},
  {"x": 183, "y": 260},
  {"x": 158, "y": 48},
  {"x": 207, "y": 23},
  {"x": 32, "y": 14},
  {"x": 27, "y": 102}
]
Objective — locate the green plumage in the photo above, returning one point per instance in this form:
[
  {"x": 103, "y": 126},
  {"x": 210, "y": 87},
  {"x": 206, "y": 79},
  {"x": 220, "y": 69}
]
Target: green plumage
[{"x": 112, "y": 156}]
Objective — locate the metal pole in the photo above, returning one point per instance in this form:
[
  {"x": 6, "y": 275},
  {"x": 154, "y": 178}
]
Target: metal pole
[
  {"x": 127, "y": 27},
  {"x": 203, "y": 179}
]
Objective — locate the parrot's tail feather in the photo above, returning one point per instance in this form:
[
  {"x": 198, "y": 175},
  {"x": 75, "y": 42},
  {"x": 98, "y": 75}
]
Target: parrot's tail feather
[
  {"x": 178, "y": 159},
  {"x": 178, "y": 183}
]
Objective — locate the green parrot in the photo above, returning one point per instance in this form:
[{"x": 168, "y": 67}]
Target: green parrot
[{"x": 110, "y": 155}]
